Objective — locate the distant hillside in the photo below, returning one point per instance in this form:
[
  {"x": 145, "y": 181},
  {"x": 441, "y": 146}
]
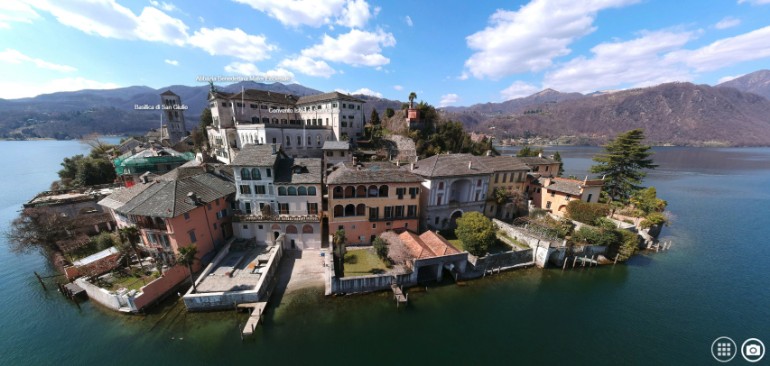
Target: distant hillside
[
  {"x": 74, "y": 114},
  {"x": 518, "y": 105},
  {"x": 757, "y": 82},
  {"x": 673, "y": 113},
  {"x": 380, "y": 104}
]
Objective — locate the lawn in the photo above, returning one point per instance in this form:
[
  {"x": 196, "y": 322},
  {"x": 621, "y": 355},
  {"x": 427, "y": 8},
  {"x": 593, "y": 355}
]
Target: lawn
[
  {"x": 129, "y": 282},
  {"x": 363, "y": 262},
  {"x": 497, "y": 247}
]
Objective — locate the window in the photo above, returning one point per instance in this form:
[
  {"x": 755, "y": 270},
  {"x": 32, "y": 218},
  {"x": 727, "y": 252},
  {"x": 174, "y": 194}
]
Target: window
[
  {"x": 247, "y": 207},
  {"x": 436, "y": 221},
  {"x": 478, "y": 183},
  {"x": 374, "y": 212},
  {"x": 311, "y": 191},
  {"x": 312, "y": 208},
  {"x": 589, "y": 198},
  {"x": 292, "y": 191},
  {"x": 374, "y": 226},
  {"x": 388, "y": 212},
  {"x": 438, "y": 199},
  {"x": 344, "y": 105},
  {"x": 281, "y": 191},
  {"x": 400, "y": 193},
  {"x": 548, "y": 205},
  {"x": 193, "y": 239},
  {"x": 245, "y": 189},
  {"x": 477, "y": 196},
  {"x": 546, "y": 168},
  {"x": 283, "y": 208},
  {"x": 399, "y": 211},
  {"x": 553, "y": 193},
  {"x": 301, "y": 191},
  {"x": 309, "y": 141},
  {"x": 299, "y": 140},
  {"x": 263, "y": 106},
  {"x": 497, "y": 175},
  {"x": 334, "y": 105},
  {"x": 413, "y": 192},
  {"x": 259, "y": 189},
  {"x": 288, "y": 141},
  {"x": 411, "y": 211},
  {"x": 245, "y": 174},
  {"x": 253, "y": 106},
  {"x": 273, "y": 142},
  {"x": 186, "y": 215},
  {"x": 440, "y": 185},
  {"x": 255, "y": 174}
]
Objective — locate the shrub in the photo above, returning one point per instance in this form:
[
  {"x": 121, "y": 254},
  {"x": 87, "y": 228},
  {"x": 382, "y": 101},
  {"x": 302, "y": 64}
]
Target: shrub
[
  {"x": 655, "y": 218},
  {"x": 627, "y": 245},
  {"x": 381, "y": 248},
  {"x": 586, "y": 212},
  {"x": 476, "y": 232},
  {"x": 605, "y": 223},
  {"x": 597, "y": 236}
]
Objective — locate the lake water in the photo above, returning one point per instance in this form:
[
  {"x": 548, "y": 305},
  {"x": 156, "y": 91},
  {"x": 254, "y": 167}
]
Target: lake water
[{"x": 664, "y": 308}]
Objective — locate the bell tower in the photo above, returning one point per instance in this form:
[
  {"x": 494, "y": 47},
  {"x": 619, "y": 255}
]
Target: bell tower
[{"x": 174, "y": 129}]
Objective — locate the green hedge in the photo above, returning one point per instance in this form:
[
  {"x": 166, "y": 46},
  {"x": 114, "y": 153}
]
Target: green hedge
[{"x": 585, "y": 212}]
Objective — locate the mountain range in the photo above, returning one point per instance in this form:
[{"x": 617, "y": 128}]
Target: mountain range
[{"x": 733, "y": 113}]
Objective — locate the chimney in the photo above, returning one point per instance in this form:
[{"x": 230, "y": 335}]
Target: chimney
[
  {"x": 274, "y": 151},
  {"x": 192, "y": 198},
  {"x": 470, "y": 164},
  {"x": 398, "y": 162},
  {"x": 540, "y": 155},
  {"x": 411, "y": 166}
]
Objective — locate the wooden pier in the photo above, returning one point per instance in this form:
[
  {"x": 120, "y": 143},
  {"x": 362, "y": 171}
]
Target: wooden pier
[
  {"x": 398, "y": 294},
  {"x": 257, "y": 309}
]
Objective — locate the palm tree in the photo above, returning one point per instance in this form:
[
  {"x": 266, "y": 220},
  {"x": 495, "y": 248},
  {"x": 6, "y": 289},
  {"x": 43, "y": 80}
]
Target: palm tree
[
  {"x": 130, "y": 236},
  {"x": 412, "y": 97},
  {"x": 186, "y": 257}
]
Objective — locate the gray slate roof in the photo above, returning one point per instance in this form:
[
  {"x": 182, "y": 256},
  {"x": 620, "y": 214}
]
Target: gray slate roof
[
  {"x": 565, "y": 186},
  {"x": 327, "y": 96},
  {"x": 383, "y": 172},
  {"x": 256, "y": 155},
  {"x": 504, "y": 163},
  {"x": 168, "y": 197},
  {"x": 535, "y": 160},
  {"x": 310, "y": 171},
  {"x": 336, "y": 145},
  {"x": 449, "y": 165}
]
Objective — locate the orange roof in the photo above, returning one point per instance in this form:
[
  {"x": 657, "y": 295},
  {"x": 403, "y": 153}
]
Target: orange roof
[{"x": 427, "y": 245}]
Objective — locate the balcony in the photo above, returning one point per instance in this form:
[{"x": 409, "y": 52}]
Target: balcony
[
  {"x": 275, "y": 218},
  {"x": 150, "y": 224}
]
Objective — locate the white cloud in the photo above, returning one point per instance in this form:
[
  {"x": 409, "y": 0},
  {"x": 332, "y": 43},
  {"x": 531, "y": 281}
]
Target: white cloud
[
  {"x": 164, "y": 5},
  {"x": 308, "y": 66},
  {"x": 641, "y": 62},
  {"x": 518, "y": 89},
  {"x": 530, "y": 38},
  {"x": 11, "y": 90},
  {"x": 357, "y": 48},
  {"x": 727, "y": 22},
  {"x": 171, "y": 62},
  {"x": 754, "y": 2},
  {"x": 726, "y": 79},
  {"x": 448, "y": 99},
  {"x": 314, "y": 13},
  {"x": 232, "y": 42},
  {"x": 727, "y": 51},
  {"x": 14, "y": 11},
  {"x": 398, "y": 87},
  {"x": 249, "y": 69},
  {"x": 108, "y": 19},
  {"x": 409, "y": 21},
  {"x": 355, "y": 14},
  {"x": 12, "y": 56},
  {"x": 367, "y": 91}
]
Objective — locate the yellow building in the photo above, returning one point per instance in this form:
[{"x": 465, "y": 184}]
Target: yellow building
[
  {"x": 366, "y": 199},
  {"x": 556, "y": 193},
  {"x": 510, "y": 175}
]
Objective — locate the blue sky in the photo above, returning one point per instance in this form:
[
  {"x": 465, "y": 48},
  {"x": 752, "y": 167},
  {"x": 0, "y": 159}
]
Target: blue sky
[{"x": 448, "y": 52}]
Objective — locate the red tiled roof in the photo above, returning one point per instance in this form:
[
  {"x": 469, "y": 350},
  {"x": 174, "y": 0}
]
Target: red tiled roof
[{"x": 427, "y": 245}]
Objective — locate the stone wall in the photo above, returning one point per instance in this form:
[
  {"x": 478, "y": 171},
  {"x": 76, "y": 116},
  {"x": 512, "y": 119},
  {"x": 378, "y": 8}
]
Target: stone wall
[
  {"x": 101, "y": 296},
  {"x": 498, "y": 261},
  {"x": 350, "y": 285}
]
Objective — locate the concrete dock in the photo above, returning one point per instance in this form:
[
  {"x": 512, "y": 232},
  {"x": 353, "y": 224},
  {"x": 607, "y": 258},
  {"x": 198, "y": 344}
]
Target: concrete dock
[{"x": 257, "y": 308}]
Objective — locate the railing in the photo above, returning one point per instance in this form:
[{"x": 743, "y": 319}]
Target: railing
[
  {"x": 152, "y": 225},
  {"x": 274, "y": 217}
]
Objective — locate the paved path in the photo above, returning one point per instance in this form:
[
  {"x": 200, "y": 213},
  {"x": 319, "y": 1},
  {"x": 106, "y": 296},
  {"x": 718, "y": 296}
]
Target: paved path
[{"x": 301, "y": 269}]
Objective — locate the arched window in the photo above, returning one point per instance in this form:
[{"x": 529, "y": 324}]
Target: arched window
[
  {"x": 339, "y": 211},
  {"x": 265, "y": 120},
  {"x": 281, "y": 191},
  {"x": 350, "y": 210},
  {"x": 288, "y": 141},
  {"x": 255, "y": 174},
  {"x": 350, "y": 192},
  {"x": 245, "y": 174},
  {"x": 337, "y": 192},
  {"x": 383, "y": 191},
  {"x": 373, "y": 191},
  {"x": 302, "y": 191},
  {"x": 311, "y": 191},
  {"x": 291, "y": 229},
  {"x": 292, "y": 191},
  {"x": 318, "y": 140},
  {"x": 361, "y": 209},
  {"x": 361, "y": 191},
  {"x": 307, "y": 229}
]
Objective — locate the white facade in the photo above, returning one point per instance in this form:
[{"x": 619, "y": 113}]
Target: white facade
[
  {"x": 301, "y": 125},
  {"x": 446, "y": 198}
]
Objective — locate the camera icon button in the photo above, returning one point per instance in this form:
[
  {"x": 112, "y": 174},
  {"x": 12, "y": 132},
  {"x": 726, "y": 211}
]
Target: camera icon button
[{"x": 753, "y": 350}]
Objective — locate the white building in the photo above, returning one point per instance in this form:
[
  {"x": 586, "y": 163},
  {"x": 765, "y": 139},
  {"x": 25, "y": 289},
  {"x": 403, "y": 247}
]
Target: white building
[
  {"x": 277, "y": 194},
  {"x": 454, "y": 184},
  {"x": 300, "y": 124}
]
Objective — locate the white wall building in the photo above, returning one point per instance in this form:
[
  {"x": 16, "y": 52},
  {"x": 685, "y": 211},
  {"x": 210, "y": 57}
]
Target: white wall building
[
  {"x": 300, "y": 124},
  {"x": 277, "y": 194}
]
